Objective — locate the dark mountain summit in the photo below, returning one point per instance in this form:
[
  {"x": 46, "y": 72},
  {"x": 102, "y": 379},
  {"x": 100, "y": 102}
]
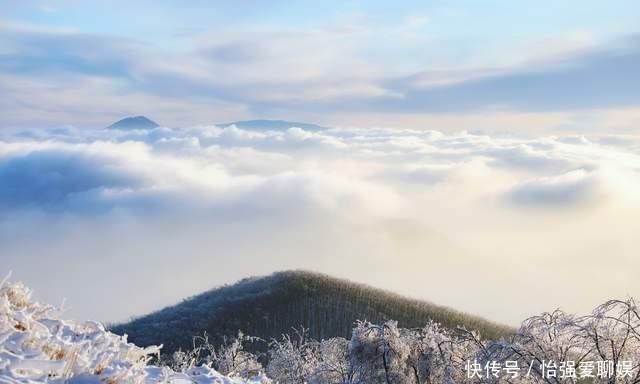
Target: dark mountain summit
[
  {"x": 142, "y": 122},
  {"x": 135, "y": 122},
  {"x": 270, "y": 306},
  {"x": 272, "y": 125}
]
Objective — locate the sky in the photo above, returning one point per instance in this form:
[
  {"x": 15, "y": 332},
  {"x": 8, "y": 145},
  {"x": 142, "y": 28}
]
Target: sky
[
  {"x": 479, "y": 155},
  {"x": 564, "y": 66}
]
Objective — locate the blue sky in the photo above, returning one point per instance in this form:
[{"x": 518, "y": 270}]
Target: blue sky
[{"x": 556, "y": 66}]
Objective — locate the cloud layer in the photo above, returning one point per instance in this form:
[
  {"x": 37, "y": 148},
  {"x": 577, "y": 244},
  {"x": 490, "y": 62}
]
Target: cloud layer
[{"x": 499, "y": 226}]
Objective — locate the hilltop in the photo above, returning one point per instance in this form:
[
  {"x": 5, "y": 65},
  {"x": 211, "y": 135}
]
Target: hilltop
[
  {"x": 134, "y": 122},
  {"x": 270, "y": 306}
]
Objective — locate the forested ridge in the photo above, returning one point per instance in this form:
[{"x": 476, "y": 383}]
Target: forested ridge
[{"x": 270, "y": 306}]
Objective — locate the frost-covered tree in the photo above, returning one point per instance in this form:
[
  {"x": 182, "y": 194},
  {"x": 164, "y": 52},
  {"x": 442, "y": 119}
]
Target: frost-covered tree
[
  {"x": 543, "y": 342},
  {"x": 437, "y": 354},
  {"x": 379, "y": 353},
  {"x": 612, "y": 333},
  {"x": 605, "y": 343},
  {"x": 333, "y": 363},
  {"x": 229, "y": 358},
  {"x": 294, "y": 358}
]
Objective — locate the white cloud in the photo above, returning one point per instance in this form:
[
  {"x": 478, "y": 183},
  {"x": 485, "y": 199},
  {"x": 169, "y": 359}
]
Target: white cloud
[
  {"x": 407, "y": 210},
  {"x": 568, "y": 188}
]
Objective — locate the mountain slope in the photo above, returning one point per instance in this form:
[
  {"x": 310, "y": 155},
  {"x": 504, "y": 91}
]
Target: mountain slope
[
  {"x": 270, "y": 306},
  {"x": 273, "y": 125},
  {"x": 134, "y": 122}
]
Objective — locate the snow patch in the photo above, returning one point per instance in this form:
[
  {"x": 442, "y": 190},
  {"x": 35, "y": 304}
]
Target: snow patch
[{"x": 37, "y": 347}]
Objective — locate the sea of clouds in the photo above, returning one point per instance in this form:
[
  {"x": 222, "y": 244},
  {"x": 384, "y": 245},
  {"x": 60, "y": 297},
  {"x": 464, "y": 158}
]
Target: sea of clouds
[{"x": 124, "y": 222}]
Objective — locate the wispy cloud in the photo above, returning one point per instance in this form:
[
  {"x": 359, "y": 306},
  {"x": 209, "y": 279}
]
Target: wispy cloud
[
  {"x": 598, "y": 78},
  {"x": 48, "y": 74}
]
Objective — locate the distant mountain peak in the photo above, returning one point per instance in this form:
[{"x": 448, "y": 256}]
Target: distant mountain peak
[
  {"x": 134, "y": 122},
  {"x": 274, "y": 125}
]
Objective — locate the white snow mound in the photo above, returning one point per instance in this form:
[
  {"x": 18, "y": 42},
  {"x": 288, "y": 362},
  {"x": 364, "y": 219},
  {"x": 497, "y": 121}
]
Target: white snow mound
[{"x": 37, "y": 347}]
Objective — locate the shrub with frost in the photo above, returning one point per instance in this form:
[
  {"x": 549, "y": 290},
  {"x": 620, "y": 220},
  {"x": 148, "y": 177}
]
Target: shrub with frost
[{"x": 36, "y": 346}]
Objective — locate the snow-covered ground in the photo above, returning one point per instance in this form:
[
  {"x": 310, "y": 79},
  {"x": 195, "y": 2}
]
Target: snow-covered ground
[{"x": 36, "y": 346}]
